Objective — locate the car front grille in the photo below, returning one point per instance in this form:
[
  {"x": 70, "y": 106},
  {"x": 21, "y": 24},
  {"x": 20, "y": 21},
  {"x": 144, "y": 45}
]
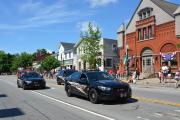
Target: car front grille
[{"x": 120, "y": 90}]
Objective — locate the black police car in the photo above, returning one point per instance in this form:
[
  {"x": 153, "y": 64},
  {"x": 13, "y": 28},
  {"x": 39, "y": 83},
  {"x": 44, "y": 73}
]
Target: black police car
[
  {"x": 97, "y": 86},
  {"x": 31, "y": 80},
  {"x": 62, "y": 74}
]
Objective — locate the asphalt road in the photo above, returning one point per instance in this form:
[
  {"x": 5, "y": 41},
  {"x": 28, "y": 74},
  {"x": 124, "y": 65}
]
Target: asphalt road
[{"x": 53, "y": 104}]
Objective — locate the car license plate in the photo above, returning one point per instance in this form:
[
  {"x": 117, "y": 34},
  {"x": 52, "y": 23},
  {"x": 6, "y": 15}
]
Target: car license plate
[{"x": 123, "y": 95}]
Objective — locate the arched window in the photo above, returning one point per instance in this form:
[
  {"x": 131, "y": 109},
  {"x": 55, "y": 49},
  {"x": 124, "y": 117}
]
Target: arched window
[{"x": 168, "y": 49}]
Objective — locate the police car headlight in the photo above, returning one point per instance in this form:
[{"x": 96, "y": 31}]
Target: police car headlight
[{"x": 104, "y": 88}]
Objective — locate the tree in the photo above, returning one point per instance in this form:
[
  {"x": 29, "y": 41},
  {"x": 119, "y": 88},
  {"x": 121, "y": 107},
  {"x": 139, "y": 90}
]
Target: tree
[
  {"x": 178, "y": 45},
  {"x": 5, "y": 62},
  {"x": 50, "y": 63},
  {"x": 24, "y": 60},
  {"x": 40, "y": 54},
  {"x": 90, "y": 41}
]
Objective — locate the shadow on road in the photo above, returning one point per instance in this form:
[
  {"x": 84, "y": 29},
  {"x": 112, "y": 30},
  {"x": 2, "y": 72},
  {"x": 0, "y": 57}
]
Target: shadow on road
[
  {"x": 3, "y": 95},
  {"x": 112, "y": 102},
  {"x": 12, "y": 112},
  {"x": 130, "y": 100},
  {"x": 46, "y": 88}
]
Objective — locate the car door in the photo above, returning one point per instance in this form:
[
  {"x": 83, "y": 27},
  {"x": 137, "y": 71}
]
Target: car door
[
  {"x": 82, "y": 86},
  {"x": 74, "y": 82}
]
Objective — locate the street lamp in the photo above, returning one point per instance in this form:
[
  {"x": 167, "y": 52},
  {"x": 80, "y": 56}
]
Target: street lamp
[{"x": 127, "y": 67}]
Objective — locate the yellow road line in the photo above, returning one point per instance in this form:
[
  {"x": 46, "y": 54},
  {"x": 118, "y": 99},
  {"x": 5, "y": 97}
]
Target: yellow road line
[{"x": 157, "y": 101}]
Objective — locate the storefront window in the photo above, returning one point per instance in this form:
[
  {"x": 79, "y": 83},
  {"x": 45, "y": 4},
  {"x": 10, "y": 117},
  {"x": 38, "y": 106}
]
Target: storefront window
[{"x": 172, "y": 63}]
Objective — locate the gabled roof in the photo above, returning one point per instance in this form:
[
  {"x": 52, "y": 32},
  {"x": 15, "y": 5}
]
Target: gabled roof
[
  {"x": 166, "y": 6},
  {"x": 68, "y": 46},
  {"x": 105, "y": 39},
  {"x": 177, "y": 11}
]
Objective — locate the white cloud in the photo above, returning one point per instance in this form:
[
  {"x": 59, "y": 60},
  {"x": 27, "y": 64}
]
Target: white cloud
[
  {"x": 38, "y": 14},
  {"x": 83, "y": 26},
  {"x": 95, "y": 3}
]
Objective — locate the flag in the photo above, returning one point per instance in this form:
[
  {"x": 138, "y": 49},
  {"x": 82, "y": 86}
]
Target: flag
[{"x": 125, "y": 59}]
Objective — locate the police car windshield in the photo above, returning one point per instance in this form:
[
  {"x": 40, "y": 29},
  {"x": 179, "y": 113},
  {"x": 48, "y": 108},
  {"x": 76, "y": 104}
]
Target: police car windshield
[
  {"x": 32, "y": 75},
  {"x": 99, "y": 76}
]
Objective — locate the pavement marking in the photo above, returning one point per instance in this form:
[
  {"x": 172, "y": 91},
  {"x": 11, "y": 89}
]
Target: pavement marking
[
  {"x": 53, "y": 88},
  {"x": 158, "y": 114},
  {"x": 177, "y": 110},
  {"x": 74, "y": 106},
  {"x": 157, "y": 101},
  {"x": 139, "y": 117}
]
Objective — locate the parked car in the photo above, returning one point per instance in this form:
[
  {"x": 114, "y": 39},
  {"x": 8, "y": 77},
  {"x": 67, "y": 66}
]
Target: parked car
[
  {"x": 97, "y": 86},
  {"x": 31, "y": 80},
  {"x": 62, "y": 74}
]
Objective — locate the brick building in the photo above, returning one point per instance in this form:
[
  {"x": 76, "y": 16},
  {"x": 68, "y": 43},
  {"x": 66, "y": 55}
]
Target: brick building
[{"x": 152, "y": 36}]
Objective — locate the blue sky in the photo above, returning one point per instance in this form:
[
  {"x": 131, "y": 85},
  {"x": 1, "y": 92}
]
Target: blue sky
[{"x": 28, "y": 25}]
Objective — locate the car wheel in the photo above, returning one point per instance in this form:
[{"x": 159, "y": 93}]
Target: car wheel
[
  {"x": 24, "y": 87},
  {"x": 68, "y": 91},
  {"x": 58, "y": 82},
  {"x": 93, "y": 96},
  {"x": 43, "y": 87},
  {"x": 18, "y": 84}
]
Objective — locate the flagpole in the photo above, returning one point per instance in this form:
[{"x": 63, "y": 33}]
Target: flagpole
[{"x": 126, "y": 54}]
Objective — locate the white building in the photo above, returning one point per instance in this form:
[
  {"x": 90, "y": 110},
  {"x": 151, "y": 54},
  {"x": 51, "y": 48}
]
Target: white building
[
  {"x": 66, "y": 55},
  {"x": 109, "y": 57}
]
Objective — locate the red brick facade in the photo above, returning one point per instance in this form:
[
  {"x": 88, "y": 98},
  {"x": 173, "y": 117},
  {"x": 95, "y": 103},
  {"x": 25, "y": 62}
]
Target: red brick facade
[{"x": 163, "y": 40}]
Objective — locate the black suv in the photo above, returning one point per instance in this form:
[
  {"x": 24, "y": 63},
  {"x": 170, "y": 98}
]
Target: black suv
[
  {"x": 62, "y": 74},
  {"x": 97, "y": 86}
]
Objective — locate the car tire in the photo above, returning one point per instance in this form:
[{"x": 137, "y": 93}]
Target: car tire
[
  {"x": 43, "y": 87},
  {"x": 18, "y": 85},
  {"x": 93, "y": 96},
  {"x": 58, "y": 82},
  {"x": 24, "y": 87},
  {"x": 68, "y": 91}
]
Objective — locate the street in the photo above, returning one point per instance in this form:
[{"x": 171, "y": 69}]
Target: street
[{"x": 151, "y": 103}]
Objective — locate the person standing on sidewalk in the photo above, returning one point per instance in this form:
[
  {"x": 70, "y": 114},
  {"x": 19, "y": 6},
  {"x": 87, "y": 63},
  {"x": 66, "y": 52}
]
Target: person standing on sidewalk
[
  {"x": 165, "y": 72},
  {"x": 160, "y": 75},
  {"x": 134, "y": 76},
  {"x": 177, "y": 78}
]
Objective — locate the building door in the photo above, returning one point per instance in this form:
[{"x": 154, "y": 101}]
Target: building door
[{"x": 147, "y": 62}]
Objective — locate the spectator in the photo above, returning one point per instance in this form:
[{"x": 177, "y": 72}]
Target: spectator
[
  {"x": 177, "y": 78},
  {"x": 165, "y": 72}
]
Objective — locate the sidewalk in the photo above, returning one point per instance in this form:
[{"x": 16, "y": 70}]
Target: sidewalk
[{"x": 155, "y": 82}]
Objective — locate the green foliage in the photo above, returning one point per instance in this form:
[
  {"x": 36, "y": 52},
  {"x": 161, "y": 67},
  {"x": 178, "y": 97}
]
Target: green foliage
[
  {"x": 5, "y": 62},
  {"x": 90, "y": 41},
  {"x": 24, "y": 60},
  {"x": 178, "y": 45},
  {"x": 50, "y": 63}
]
